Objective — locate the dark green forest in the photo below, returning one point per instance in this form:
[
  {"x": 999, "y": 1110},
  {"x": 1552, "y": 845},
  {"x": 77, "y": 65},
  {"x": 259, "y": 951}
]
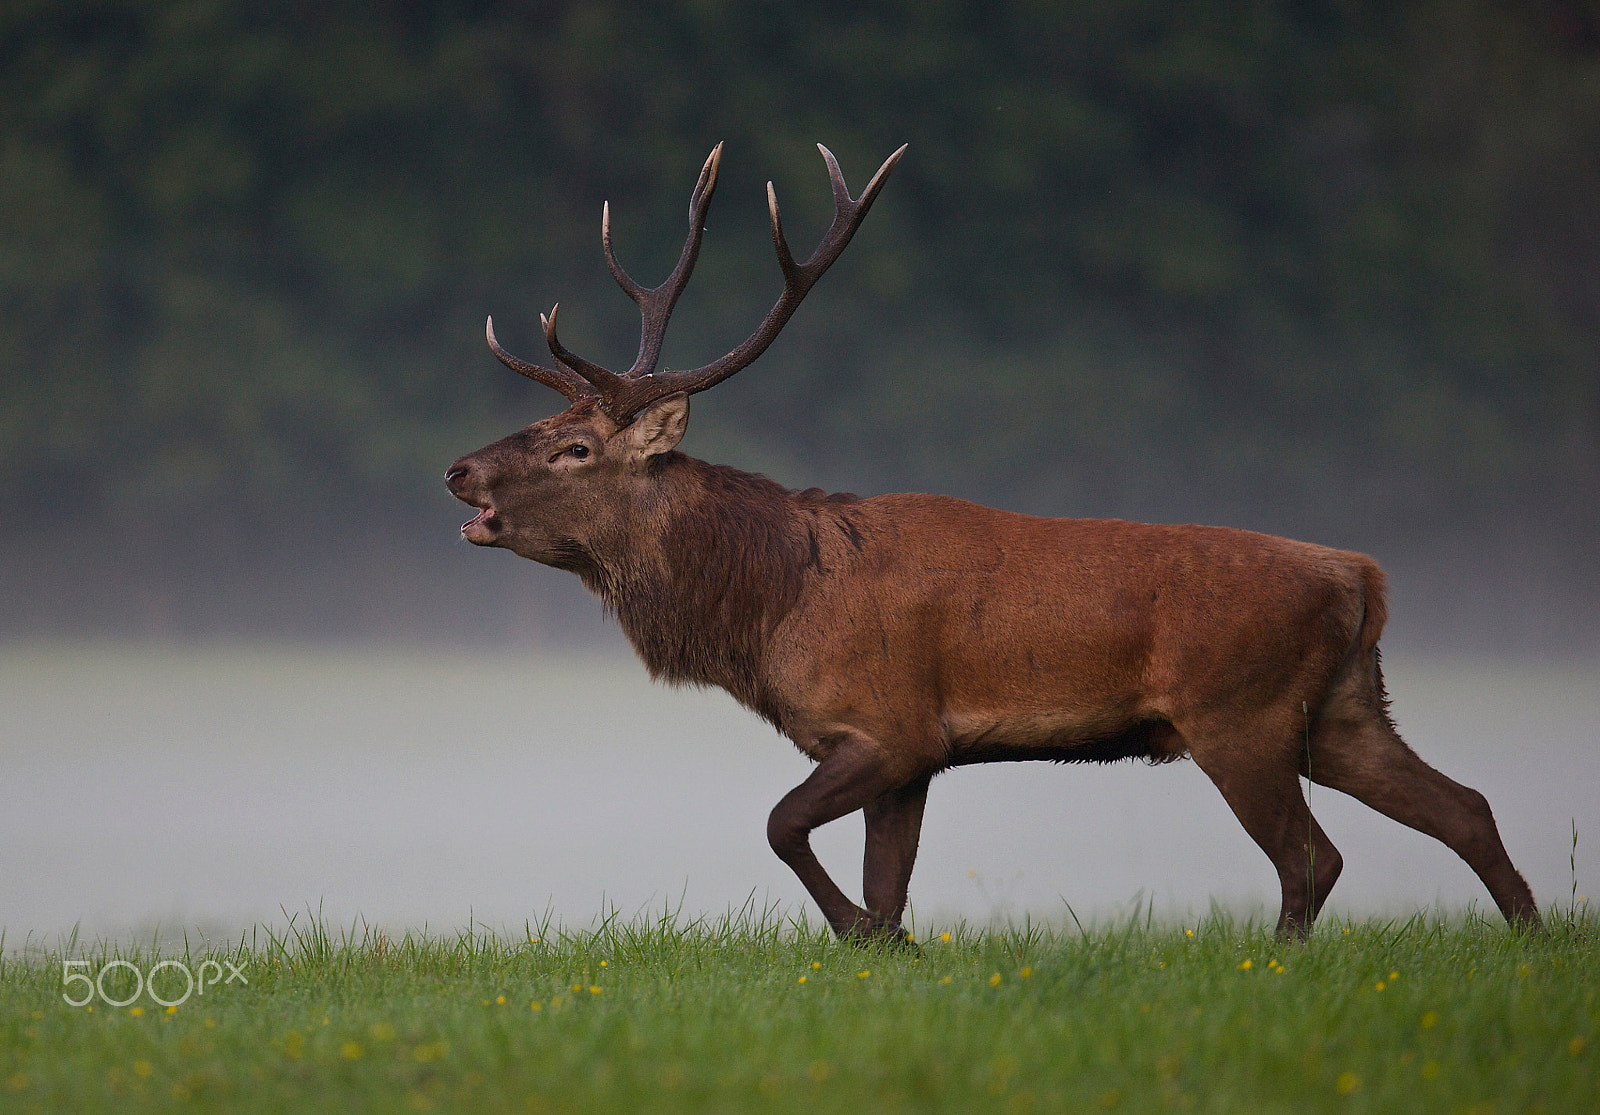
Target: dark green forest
[{"x": 1329, "y": 269}]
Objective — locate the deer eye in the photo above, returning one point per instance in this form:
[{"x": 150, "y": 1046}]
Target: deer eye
[{"x": 578, "y": 451}]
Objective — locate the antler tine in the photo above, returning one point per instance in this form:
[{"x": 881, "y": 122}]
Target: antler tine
[
  {"x": 798, "y": 279},
  {"x": 779, "y": 243},
  {"x": 604, "y": 380},
  {"x": 573, "y": 387},
  {"x": 632, "y": 289},
  {"x": 841, "y": 192},
  {"x": 870, "y": 194}
]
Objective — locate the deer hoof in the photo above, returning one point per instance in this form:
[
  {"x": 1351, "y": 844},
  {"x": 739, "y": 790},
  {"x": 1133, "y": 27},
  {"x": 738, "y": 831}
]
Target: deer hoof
[{"x": 880, "y": 931}]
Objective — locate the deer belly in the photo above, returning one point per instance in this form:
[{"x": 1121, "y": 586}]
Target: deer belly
[{"x": 1061, "y": 737}]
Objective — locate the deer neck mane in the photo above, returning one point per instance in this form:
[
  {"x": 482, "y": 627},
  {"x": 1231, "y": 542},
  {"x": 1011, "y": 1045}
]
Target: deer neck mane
[{"x": 712, "y": 565}]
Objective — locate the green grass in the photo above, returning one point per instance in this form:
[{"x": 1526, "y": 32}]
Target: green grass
[{"x": 752, "y": 1012}]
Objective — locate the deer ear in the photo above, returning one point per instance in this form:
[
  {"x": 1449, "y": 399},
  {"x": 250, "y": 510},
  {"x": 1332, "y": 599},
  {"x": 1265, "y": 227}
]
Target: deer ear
[{"x": 660, "y": 427}]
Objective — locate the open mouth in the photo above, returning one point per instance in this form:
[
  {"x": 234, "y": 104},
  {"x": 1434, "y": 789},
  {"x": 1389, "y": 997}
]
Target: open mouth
[{"x": 483, "y": 528}]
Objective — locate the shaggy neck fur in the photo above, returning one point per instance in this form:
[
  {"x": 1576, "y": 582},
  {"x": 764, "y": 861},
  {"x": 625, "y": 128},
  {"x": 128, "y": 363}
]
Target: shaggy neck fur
[{"x": 706, "y": 572}]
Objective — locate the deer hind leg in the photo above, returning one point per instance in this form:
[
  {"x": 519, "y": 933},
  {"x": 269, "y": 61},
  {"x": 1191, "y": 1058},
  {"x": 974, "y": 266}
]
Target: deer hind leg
[
  {"x": 1355, "y": 749},
  {"x": 894, "y": 822},
  {"x": 1258, "y": 777},
  {"x": 856, "y": 774}
]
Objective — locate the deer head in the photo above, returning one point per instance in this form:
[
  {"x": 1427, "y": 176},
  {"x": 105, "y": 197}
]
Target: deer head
[{"x": 557, "y": 489}]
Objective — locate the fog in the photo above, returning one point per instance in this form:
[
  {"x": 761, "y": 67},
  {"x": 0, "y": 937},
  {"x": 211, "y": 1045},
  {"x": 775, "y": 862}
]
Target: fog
[{"x": 171, "y": 788}]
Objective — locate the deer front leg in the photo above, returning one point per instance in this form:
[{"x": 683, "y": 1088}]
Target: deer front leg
[
  {"x": 854, "y": 774},
  {"x": 894, "y": 822}
]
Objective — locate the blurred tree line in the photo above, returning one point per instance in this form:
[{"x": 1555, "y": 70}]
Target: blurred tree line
[{"x": 1330, "y": 268}]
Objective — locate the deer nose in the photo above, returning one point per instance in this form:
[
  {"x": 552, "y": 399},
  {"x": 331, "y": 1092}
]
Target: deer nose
[{"x": 456, "y": 478}]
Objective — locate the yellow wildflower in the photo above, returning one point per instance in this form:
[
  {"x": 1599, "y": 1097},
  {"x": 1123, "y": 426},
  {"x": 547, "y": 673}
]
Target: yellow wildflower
[
  {"x": 1245, "y": 965},
  {"x": 994, "y": 980}
]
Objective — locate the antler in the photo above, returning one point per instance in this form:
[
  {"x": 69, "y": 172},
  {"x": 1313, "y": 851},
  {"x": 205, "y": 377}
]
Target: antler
[
  {"x": 622, "y": 397},
  {"x": 562, "y": 378}
]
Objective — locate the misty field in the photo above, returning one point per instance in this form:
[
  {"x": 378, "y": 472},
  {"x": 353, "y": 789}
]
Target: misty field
[
  {"x": 750, "y": 1012},
  {"x": 155, "y": 788}
]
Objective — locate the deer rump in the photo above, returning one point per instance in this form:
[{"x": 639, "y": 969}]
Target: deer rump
[{"x": 895, "y": 637}]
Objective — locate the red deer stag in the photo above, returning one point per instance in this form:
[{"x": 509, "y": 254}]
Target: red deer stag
[{"x": 895, "y": 637}]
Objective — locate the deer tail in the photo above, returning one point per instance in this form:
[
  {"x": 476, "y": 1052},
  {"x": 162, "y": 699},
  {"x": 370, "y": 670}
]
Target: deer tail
[
  {"x": 1375, "y": 607},
  {"x": 1375, "y": 613}
]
